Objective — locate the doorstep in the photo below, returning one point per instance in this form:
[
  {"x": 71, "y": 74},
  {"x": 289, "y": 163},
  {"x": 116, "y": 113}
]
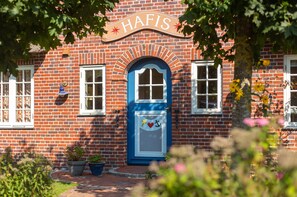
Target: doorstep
[{"x": 137, "y": 172}]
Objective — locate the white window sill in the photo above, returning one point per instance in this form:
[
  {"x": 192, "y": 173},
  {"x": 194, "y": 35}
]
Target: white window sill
[
  {"x": 17, "y": 127},
  {"x": 205, "y": 112},
  {"x": 91, "y": 114}
]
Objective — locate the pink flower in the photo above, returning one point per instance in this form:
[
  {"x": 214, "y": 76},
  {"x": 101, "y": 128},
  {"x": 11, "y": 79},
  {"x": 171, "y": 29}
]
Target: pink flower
[
  {"x": 249, "y": 122},
  {"x": 179, "y": 168},
  {"x": 262, "y": 122},
  {"x": 279, "y": 175},
  {"x": 281, "y": 122}
]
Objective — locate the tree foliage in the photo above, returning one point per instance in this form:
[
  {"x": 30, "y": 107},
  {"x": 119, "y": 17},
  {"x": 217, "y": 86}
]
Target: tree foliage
[
  {"x": 250, "y": 24},
  {"x": 46, "y": 23}
]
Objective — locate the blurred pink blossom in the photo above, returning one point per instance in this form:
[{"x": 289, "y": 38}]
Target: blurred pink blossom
[
  {"x": 249, "y": 122},
  {"x": 281, "y": 122},
  {"x": 179, "y": 168},
  {"x": 280, "y": 175},
  {"x": 262, "y": 122}
]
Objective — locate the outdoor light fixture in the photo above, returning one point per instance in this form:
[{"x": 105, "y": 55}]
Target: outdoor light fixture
[{"x": 62, "y": 92}]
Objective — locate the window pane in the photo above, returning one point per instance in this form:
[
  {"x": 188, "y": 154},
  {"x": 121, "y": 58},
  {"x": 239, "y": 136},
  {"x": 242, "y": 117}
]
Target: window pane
[
  {"x": 293, "y": 82},
  {"x": 293, "y": 98},
  {"x": 89, "y": 89},
  {"x": 201, "y": 86},
  {"x": 19, "y": 116},
  {"x": 212, "y": 87},
  {"x": 293, "y": 63},
  {"x": 5, "y": 116},
  {"x": 144, "y": 78},
  {"x": 98, "y": 103},
  {"x": 27, "y": 102},
  {"x": 212, "y": 102},
  {"x": 20, "y": 76},
  {"x": 98, "y": 75},
  {"x": 5, "y": 89},
  {"x": 201, "y": 72},
  {"x": 98, "y": 89},
  {"x": 201, "y": 102},
  {"x": 157, "y": 77},
  {"x": 19, "y": 89},
  {"x": 19, "y": 102},
  {"x": 144, "y": 93},
  {"x": 293, "y": 117},
  {"x": 5, "y": 103},
  {"x": 89, "y": 76},
  {"x": 212, "y": 72},
  {"x": 157, "y": 92},
  {"x": 89, "y": 103},
  {"x": 28, "y": 89},
  {"x": 27, "y": 116},
  {"x": 293, "y": 70},
  {"x": 27, "y": 75}
]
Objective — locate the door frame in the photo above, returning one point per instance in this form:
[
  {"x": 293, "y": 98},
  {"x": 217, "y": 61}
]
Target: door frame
[{"x": 131, "y": 110}]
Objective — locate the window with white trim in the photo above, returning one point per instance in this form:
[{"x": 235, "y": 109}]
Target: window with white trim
[
  {"x": 150, "y": 84},
  {"x": 17, "y": 98},
  {"x": 92, "y": 90},
  {"x": 290, "y": 90},
  {"x": 206, "y": 88}
]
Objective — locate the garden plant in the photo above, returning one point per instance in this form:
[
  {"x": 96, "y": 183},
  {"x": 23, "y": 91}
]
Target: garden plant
[
  {"x": 250, "y": 162},
  {"x": 26, "y": 175}
]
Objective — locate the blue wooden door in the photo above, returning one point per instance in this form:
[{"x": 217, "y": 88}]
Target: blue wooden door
[{"x": 149, "y": 111}]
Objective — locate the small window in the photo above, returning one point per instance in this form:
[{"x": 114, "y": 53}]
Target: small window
[
  {"x": 206, "y": 88},
  {"x": 92, "y": 90},
  {"x": 150, "y": 84},
  {"x": 17, "y": 98},
  {"x": 290, "y": 91}
]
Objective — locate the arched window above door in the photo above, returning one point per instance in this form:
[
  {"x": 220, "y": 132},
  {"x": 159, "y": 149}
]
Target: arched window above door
[{"x": 150, "y": 84}]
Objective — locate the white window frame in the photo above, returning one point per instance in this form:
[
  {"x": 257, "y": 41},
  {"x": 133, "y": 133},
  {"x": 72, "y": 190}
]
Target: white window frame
[
  {"x": 138, "y": 72},
  {"x": 287, "y": 92},
  {"x": 83, "y": 69},
  {"x": 12, "y": 101},
  {"x": 195, "y": 109}
]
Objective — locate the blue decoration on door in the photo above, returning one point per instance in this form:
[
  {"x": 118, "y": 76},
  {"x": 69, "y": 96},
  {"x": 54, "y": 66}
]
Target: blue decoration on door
[{"x": 133, "y": 107}]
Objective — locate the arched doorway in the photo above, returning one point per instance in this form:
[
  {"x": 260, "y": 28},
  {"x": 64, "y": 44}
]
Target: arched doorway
[{"x": 149, "y": 111}]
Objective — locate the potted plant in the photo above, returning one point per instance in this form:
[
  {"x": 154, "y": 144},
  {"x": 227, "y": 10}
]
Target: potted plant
[
  {"x": 96, "y": 165},
  {"x": 75, "y": 162}
]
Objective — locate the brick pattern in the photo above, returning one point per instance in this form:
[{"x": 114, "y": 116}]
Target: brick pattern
[{"x": 57, "y": 122}]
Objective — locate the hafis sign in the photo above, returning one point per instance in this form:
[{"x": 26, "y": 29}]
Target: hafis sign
[{"x": 142, "y": 20}]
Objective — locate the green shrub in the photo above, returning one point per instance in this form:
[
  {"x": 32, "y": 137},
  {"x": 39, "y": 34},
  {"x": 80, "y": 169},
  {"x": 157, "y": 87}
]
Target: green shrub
[
  {"x": 74, "y": 153},
  {"x": 28, "y": 176},
  {"x": 248, "y": 163}
]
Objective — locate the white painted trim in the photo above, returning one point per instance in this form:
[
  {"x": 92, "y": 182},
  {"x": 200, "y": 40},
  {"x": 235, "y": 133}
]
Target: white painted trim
[
  {"x": 84, "y": 111},
  {"x": 194, "y": 108},
  {"x": 287, "y": 92},
  {"x": 164, "y": 72},
  {"x": 12, "y": 102},
  {"x": 163, "y": 115}
]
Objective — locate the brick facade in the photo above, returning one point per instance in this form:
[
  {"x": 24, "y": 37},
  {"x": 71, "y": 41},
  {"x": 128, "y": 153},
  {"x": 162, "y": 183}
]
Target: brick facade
[{"x": 57, "y": 122}]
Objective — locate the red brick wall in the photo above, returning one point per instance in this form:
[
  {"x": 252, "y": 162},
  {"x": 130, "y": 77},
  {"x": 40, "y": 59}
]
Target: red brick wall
[{"x": 57, "y": 122}]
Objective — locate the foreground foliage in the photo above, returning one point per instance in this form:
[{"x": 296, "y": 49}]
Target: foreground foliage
[
  {"x": 249, "y": 163},
  {"x": 46, "y": 23},
  {"x": 251, "y": 24},
  {"x": 27, "y": 176}
]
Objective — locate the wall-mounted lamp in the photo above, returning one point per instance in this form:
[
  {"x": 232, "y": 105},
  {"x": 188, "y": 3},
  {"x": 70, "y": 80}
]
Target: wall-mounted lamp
[
  {"x": 62, "y": 92},
  {"x": 65, "y": 52}
]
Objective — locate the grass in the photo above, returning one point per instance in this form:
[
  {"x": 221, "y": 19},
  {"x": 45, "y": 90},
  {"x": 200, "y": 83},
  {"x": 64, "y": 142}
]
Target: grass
[{"x": 60, "y": 187}]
